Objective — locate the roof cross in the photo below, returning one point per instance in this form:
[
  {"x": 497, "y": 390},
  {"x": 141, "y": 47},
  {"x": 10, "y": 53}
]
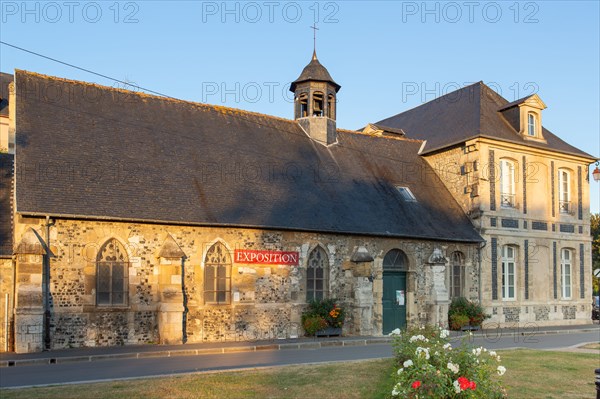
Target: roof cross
[{"x": 315, "y": 29}]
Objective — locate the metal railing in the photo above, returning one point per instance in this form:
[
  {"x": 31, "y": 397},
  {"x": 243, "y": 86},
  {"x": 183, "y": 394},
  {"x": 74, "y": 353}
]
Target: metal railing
[{"x": 507, "y": 200}]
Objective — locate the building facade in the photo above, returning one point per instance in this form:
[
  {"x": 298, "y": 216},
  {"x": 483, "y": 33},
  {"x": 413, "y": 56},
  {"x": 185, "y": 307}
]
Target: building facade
[
  {"x": 527, "y": 193},
  {"x": 130, "y": 218}
]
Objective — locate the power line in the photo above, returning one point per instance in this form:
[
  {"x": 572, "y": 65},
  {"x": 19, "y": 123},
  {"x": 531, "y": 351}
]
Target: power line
[
  {"x": 84, "y": 69},
  {"x": 251, "y": 120}
]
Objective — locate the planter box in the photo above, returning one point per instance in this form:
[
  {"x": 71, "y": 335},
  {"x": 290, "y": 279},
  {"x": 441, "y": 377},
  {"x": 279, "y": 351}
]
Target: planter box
[{"x": 329, "y": 332}]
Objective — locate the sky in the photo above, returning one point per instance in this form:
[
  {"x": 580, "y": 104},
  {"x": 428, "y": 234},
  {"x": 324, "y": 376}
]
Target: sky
[{"x": 388, "y": 56}]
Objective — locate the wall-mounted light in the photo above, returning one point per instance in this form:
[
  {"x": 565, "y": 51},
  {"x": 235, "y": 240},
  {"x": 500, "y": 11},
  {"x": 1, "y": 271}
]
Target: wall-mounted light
[{"x": 596, "y": 173}]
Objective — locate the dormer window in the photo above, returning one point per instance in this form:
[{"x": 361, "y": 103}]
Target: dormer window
[{"x": 531, "y": 124}]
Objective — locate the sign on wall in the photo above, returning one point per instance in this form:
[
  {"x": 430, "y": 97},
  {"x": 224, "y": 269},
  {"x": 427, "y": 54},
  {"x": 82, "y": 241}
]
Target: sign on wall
[{"x": 266, "y": 257}]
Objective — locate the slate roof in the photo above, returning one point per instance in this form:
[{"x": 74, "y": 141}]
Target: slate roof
[
  {"x": 6, "y": 213},
  {"x": 316, "y": 72},
  {"x": 470, "y": 112},
  {"x": 5, "y": 79},
  {"x": 103, "y": 153}
]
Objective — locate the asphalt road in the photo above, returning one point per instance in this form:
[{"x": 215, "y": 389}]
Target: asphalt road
[{"x": 134, "y": 368}]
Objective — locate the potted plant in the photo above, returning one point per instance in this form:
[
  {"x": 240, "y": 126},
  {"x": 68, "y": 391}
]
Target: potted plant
[
  {"x": 466, "y": 315},
  {"x": 323, "y": 317}
]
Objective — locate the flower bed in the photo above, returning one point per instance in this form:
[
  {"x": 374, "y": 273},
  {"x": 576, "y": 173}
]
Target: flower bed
[
  {"x": 430, "y": 367},
  {"x": 323, "y": 315}
]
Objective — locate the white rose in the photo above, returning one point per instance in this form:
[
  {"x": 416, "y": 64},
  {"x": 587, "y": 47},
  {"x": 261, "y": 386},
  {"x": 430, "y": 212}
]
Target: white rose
[
  {"x": 501, "y": 370},
  {"x": 408, "y": 363}
]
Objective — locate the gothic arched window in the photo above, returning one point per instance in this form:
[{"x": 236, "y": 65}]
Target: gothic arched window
[
  {"x": 217, "y": 275},
  {"x": 316, "y": 274},
  {"x": 457, "y": 264},
  {"x": 112, "y": 271}
]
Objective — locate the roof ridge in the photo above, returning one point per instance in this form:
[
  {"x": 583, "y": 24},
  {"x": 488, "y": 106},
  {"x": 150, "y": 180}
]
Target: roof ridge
[
  {"x": 383, "y": 137},
  {"x": 219, "y": 108}
]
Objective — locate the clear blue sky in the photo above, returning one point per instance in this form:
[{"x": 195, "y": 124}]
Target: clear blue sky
[{"x": 388, "y": 56}]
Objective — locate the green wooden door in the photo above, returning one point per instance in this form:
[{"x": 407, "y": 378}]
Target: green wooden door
[{"x": 394, "y": 301}]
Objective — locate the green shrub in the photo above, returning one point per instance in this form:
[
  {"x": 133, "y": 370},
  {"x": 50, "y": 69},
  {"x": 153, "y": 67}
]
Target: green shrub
[
  {"x": 473, "y": 312},
  {"x": 430, "y": 367},
  {"x": 324, "y": 313},
  {"x": 458, "y": 321}
]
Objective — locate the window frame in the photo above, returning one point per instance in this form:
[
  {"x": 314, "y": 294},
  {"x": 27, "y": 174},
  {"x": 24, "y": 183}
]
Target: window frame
[
  {"x": 507, "y": 263},
  {"x": 457, "y": 263},
  {"x": 104, "y": 259},
  {"x": 312, "y": 280},
  {"x": 564, "y": 264},
  {"x": 532, "y": 123},
  {"x": 508, "y": 184},
  {"x": 212, "y": 279},
  {"x": 564, "y": 197}
]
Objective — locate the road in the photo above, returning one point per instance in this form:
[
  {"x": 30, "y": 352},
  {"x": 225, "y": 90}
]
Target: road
[{"x": 134, "y": 368}]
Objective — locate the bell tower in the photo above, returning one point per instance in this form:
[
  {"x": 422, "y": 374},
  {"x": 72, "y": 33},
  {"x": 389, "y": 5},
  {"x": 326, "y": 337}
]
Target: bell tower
[{"x": 315, "y": 102}]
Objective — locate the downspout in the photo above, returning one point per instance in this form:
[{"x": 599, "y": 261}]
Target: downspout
[
  {"x": 14, "y": 302},
  {"x": 46, "y": 286},
  {"x": 185, "y": 303}
]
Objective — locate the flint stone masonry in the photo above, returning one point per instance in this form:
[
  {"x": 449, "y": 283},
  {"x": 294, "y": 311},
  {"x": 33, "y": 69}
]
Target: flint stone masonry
[{"x": 267, "y": 301}]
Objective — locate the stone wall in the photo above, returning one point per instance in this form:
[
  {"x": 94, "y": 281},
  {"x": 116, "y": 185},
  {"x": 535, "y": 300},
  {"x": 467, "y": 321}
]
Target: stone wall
[
  {"x": 166, "y": 300},
  {"x": 6, "y": 302}
]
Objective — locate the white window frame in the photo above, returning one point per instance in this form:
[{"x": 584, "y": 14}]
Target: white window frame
[
  {"x": 507, "y": 183},
  {"x": 508, "y": 263},
  {"x": 531, "y": 124},
  {"x": 564, "y": 190},
  {"x": 566, "y": 273}
]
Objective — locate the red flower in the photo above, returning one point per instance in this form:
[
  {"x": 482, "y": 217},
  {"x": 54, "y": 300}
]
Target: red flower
[
  {"x": 464, "y": 383},
  {"x": 416, "y": 384},
  {"x": 472, "y": 385}
]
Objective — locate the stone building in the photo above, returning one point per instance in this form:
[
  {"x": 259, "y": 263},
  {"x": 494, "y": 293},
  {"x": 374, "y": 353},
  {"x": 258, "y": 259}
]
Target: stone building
[
  {"x": 527, "y": 193},
  {"x": 130, "y": 218}
]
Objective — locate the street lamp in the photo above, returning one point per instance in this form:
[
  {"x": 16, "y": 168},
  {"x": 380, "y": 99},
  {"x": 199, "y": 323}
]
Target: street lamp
[{"x": 596, "y": 173}]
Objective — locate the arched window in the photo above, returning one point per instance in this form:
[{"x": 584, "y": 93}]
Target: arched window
[
  {"x": 456, "y": 274},
  {"x": 531, "y": 124},
  {"x": 316, "y": 274},
  {"x": 318, "y": 103},
  {"x": 395, "y": 260},
  {"x": 509, "y": 261},
  {"x": 507, "y": 183},
  {"x": 331, "y": 106},
  {"x": 112, "y": 271},
  {"x": 303, "y": 105},
  {"x": 566, "y": 258},
  {"x": 564, "y": 191},
  {"x": 217, "y": 275}
]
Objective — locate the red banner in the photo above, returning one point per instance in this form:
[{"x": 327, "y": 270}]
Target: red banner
[{"x": 266, "y": 257}]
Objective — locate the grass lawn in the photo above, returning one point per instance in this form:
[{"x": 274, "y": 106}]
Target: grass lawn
[
  {"x": 595, "y": 345},
  {"x": 530, "y": 374}
]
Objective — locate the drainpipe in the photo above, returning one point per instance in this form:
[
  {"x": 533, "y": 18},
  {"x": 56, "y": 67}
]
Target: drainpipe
[
  {"x": 185, "y": 303},
  {"x": 46, "y": 286}
]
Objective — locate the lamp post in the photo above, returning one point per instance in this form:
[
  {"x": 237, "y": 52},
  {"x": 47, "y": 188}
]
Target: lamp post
[{"x": 596, "y": 173}]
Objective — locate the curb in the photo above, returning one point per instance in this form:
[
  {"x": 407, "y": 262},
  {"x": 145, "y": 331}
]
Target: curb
[
  {"x": 493, "y": 334},
  {"x": 194, "y": 352}
]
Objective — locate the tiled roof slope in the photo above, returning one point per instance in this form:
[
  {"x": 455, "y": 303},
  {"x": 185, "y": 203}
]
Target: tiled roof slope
[
  {"x": 6, "y": 213},
  {"x": 104, "y": 153},
  {"x": 464, "y": 114}
]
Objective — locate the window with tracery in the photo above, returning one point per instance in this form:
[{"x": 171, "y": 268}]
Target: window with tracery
[
  {"x": 112, "y": 271},
  {"x": 316, "y": 274},
  {"x": 217, "y": 275}
]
